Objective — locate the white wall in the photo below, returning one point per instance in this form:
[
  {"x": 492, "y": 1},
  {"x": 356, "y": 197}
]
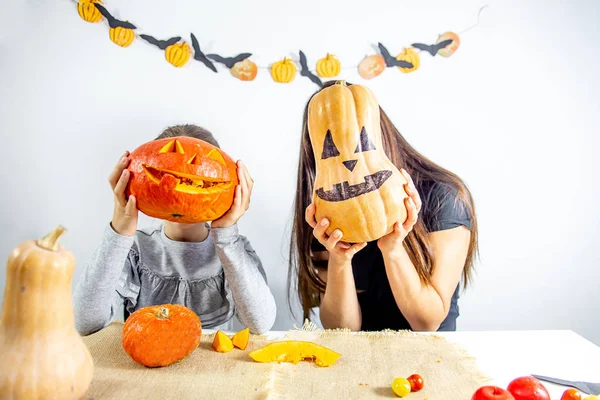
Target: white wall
[{"x": 514, "y": 112}]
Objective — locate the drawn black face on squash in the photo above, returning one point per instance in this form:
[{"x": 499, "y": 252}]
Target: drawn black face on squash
[
  {"x": 356, "y": 186},
  {"x": 343, "y": 190}
]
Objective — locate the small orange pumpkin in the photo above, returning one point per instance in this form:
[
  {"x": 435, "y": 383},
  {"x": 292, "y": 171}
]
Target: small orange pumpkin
[
  {"x": 182, "y": 179},
  {"x": 178, "y": 54},
  {"x": 371, "y": 66},
  {"x": 328, "y": 67},
  {"x": 357, "y": 188},
  {"x": 409, "y": 55},
  {"x": 452, "y": 47},
  {"x": 157, "y": 336},
  {"x": 88, "y": 12},
  {"x": 245, "y": 70},
  {"x": 283, "y": 71}
]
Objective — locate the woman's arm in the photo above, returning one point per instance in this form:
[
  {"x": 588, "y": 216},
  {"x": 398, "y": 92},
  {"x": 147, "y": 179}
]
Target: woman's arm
[
  {"x": 254, "y": 302},
  {"x": 426, "y": 306},
  {"x": 339, "y": 305}
]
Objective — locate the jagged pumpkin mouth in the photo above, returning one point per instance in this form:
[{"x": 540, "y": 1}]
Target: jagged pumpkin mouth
[
  {"x": 345, "y": 191},
  {"x": 186, "y": 183}
]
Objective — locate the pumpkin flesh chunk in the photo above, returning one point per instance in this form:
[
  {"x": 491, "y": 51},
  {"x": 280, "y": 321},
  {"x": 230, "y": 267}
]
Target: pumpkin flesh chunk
[{"x": 293, "y": 351}]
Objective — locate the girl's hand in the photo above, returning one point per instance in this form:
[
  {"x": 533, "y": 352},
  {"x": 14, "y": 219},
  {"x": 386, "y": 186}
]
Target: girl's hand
[
  {"x": 125, "y": 214},
  {"x": 392, "y": 243},
  {"x": 338, "y": 250},
  {"x": 241, "y": 200}
]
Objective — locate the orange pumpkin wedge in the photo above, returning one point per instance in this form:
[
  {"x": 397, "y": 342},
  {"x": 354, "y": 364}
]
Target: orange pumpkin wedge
[
  {"x": 293, "y": 351},
  {"x": 222, "y": 343},
  {"x": 240, "y": 339}
]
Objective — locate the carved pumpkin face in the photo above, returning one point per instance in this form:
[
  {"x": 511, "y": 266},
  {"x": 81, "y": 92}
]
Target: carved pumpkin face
[
  {"x": 372, "y": 66},
  {"x": 182, "y": 179},
  {"x": 452, "y": 47},
  {"x": 356, "y": 186},
  {"x": 244, "y": 70}
]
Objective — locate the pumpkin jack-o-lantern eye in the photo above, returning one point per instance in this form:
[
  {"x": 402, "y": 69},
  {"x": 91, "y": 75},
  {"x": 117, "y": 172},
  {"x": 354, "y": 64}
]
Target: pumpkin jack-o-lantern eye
[
  {"x": 172, "y": 147},
  {"x": 365, "y": 143},
  {"x": 195, "y": 160},
  {"x": 216, "y": 155},
  {"x": 329, "y": 149}
]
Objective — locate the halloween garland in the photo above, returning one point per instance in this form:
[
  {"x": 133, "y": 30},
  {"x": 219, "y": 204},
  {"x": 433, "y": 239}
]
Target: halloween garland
[{"x": 178, "y": 52}]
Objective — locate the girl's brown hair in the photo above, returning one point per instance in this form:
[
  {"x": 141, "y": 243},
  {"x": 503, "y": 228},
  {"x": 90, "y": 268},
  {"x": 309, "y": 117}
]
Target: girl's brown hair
[
  {"x": 302, "y": 275},
  {"x": 191, "y": 131}
]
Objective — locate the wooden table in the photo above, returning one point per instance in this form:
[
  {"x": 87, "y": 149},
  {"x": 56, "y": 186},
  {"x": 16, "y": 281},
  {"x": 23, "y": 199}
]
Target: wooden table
[{"x": 505, "y": 355}]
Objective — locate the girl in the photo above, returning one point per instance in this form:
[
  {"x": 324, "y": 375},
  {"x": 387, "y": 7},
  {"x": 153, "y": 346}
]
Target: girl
[
  {"x": 212, "y": 270},
  {"x": 408, "y": 279}
]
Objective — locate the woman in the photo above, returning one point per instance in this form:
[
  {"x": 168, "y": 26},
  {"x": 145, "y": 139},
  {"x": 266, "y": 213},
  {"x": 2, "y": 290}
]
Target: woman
[{"x": 408, "y": 279}]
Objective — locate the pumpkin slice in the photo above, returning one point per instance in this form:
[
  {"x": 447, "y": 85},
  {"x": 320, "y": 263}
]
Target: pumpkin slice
[
  {"x": 294, "y": 351},
  {"x": 240, "y": 339},
  {"x": 222, "y": 343}
]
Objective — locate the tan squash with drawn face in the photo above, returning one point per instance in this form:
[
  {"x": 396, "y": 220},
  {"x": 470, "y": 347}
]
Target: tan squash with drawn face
[
  {"x": 42, "y": 356},
  {"x": 356, "y": 186}
]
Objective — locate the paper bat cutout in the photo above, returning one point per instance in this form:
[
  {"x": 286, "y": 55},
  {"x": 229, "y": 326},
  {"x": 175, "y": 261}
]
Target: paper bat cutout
[
  {"x": 229, "y": 62},
  {"x": 434, "y": 48},
  {"x": 199, "y": 55},
  {"x": 391, "y": 61},
  {"x": 112, "y": 21},
  {"x": 161, "y": 44},
  {"x": 306, "y": 72}
]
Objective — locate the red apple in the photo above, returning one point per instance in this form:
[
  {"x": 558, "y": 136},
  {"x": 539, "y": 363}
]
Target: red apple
[
  {"x": 492, "y": 393},
  {"x": 528, "y": 388}
]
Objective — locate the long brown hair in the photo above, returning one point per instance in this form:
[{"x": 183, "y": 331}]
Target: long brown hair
[{"x": 302, "y": 276}]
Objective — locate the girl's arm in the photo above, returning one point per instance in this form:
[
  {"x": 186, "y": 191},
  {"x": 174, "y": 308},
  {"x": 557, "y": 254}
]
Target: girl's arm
[
  {"x": 95, "y": 300},
  {"x": 426, "y": 306},
  {"x": 339, "y": 305},
  {"x": 246, "y": 276}
]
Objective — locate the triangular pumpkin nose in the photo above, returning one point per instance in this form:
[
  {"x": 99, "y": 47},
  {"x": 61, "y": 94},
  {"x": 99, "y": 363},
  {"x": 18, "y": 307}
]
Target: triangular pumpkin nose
[{"x": 350, "y": 164}]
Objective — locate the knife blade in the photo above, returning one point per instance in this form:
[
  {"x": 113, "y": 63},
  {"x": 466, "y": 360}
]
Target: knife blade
[{"x": 586, "y": 387}]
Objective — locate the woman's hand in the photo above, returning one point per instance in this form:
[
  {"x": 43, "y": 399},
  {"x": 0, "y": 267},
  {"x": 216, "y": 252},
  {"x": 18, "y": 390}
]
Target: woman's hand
[
  {"x": 392, "y": 243},
  {"x": 125, "y": 214},
  {"x": 338, "y": 250},
  {"x": 241, "y": 200}
]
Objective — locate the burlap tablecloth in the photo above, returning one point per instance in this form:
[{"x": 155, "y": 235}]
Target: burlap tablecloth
[{"x": 366, "y": 369}]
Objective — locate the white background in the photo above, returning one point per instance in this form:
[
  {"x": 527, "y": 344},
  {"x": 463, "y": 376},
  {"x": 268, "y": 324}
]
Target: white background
[{"x": 514, "y": 112}]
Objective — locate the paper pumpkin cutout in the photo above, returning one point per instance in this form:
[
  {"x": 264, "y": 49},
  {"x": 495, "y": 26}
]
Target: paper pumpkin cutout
[
  {"x": 328, "y": 67},
  {"x": 448, "y": 50},
  {"x": 306, "y": 72},
  {"x": 245, "y": 70},
  {"x": 356, "y": 186},
  {"x": 371, "y": 67},
  {"x": 88, "y": 12},
  {"x": 393, "y": 61},
  {"x": 120, "y": 32},
  {"x": 177, "y": 54},
  {"x": 241, "y": 66},
  {"x": 409, "y": 55},
  {"x": 283, "y": 71},
  {"x": 182, "y": 179},
  {"x": 200, "y": 56}
]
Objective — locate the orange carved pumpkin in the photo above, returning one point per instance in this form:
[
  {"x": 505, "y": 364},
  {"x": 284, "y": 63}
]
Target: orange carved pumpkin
[
  {"x": 452, "y": 47},
  {"x": 356, "y": 186},
  {"x": 182, "y": 179},
  {"x": 371, "y": 66},
  {"x": 157, "y": 336}
]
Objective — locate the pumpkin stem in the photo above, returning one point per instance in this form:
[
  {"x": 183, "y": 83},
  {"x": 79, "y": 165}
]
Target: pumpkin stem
[
  {"x": 343, "y": 83},
  {"x": 163, "y": 313},
  {"x": 50, "y": 241}
]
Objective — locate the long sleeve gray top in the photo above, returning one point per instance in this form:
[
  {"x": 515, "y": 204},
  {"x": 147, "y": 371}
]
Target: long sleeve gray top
[{"x": 217, "y": 278}]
